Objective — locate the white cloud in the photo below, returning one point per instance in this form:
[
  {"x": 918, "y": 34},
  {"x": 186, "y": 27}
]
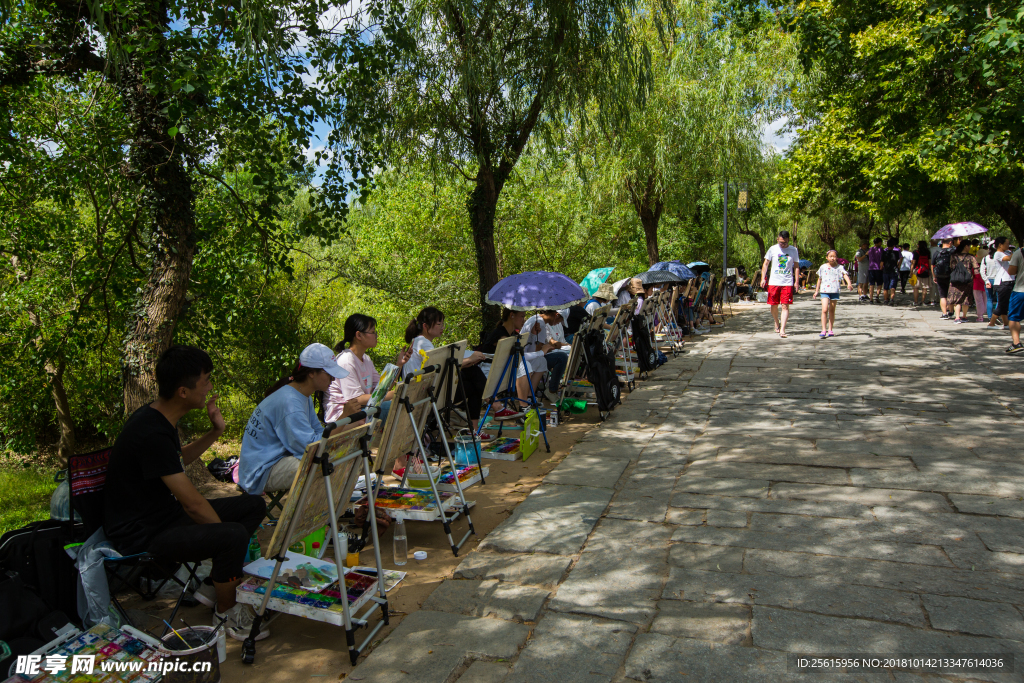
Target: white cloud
[{"x": 775, "y": 137}]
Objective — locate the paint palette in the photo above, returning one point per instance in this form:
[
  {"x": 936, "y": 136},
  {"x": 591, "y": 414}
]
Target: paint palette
[
  {"x": 467, "y": 477},
  {"x": 105, "y": 643},
  {"x": 417, "y": 504},
  {"x": 324, "y": 606},
  {"x": 502, "y": 448}
]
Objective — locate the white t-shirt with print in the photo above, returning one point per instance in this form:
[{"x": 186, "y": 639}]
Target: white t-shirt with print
[
  {"x": 831, "y": 278},
  {"x": 783, "y": 263}
]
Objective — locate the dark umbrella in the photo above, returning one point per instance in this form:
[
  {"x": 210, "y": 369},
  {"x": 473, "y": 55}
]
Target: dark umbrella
[
  {"x": 676, "y": 268},
  {"x": 656, "y": 277}
]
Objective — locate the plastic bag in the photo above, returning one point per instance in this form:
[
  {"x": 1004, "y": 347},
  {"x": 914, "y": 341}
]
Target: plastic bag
[{"x": 60, "y": 501}]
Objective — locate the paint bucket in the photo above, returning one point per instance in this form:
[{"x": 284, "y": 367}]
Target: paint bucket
[
  {"x": 194, "y": 662},
  {"x": 467, "y": 450}
]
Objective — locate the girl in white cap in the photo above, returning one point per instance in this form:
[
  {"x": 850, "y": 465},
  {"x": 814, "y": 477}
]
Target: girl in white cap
[{"x": 285, "y": 422}]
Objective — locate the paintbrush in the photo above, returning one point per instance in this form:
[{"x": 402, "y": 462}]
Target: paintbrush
[{"x": 177, "y": 634}]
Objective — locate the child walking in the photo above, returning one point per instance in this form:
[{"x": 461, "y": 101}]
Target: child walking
[{"x": 830, "y": 275}]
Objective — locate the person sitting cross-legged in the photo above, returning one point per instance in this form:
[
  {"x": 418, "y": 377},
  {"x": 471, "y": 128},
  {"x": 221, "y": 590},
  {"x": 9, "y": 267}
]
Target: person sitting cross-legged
[{"x": 150, "y": 505}]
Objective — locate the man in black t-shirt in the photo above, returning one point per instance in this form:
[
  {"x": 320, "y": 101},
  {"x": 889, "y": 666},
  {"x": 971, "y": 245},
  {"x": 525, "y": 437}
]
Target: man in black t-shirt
[{"x": 150, "y": 504}]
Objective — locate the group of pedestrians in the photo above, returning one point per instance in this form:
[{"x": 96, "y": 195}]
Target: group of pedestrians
[{"x": 951, "y": 274}]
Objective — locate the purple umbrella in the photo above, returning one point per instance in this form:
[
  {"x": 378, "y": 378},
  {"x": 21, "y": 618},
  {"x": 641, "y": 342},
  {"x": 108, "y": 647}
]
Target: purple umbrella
[
  {"x": 959, "y": 230},
  {"x": 537, "y": 289}
]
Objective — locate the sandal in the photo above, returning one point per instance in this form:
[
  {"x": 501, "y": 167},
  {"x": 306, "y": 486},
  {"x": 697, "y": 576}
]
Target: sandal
[{"x": 782, "y": 335}]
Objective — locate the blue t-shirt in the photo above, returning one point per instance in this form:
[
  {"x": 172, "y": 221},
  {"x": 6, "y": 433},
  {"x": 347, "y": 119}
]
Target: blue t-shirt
[{"x": 283, "y": 424}]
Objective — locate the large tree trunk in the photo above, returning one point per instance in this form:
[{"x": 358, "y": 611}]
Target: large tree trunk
[
  {"x": 482, "y": 205},
  {"x": 649, "y": 206},
  {"x": 66, "y": 445},
  {"x": 157, "y": 165},
  {"x": 1013, "y": 215},
  {"x": 757, "y": 238}
]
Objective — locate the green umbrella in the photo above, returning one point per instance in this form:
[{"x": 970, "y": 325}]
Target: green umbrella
[{"x": 595, "y": 279}]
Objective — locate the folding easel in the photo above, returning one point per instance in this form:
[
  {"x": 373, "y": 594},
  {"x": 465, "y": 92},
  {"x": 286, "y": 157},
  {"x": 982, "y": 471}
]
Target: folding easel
[
  {"x": 617, "y": 338},
  {"x": 510, "y": 356},
  {"x": 413, "y": 404},
  {"x": 449, "y": 359},
  {"x": 325, "y": 479},
  {"x": 669, "y": 330}
]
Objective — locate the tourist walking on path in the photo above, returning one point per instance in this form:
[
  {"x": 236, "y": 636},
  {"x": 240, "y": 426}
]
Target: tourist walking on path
[
  {"x": 861, "y": 261},
  {"x": 922, "y": 268},
  {"x": 906, "y": 264},
  {"x": 940, "y": 273},
  {"x": 784, "y": 262},
  {"x": 830, "y": 276},
  {"x": 891, "y": 258},
  {"x": 1016, "y": 314},
  {"x": 962, "y": 268},
  {"x": 875, "y": 277},
  {"x": 979, "y": 295},
  {"x": 1001, "y": 282}
]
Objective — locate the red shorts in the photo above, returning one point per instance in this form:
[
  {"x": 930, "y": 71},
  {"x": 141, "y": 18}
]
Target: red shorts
[{"x": 780, "y": 294}]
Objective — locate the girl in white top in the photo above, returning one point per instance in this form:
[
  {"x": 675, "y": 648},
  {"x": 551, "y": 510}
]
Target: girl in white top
[
  {"x": 830, "y": 275},
  {"x": 360, "y": 337},
  {"x": 420, "y": 334}
]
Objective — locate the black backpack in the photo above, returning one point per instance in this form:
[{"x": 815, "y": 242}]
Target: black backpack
[
  {"x": 961, "y": 273},
  {"x": 941, "y": 263},
  {"x": 646, "y": 359},
  {"x": 891, "y": 259},
  {"x": 601, "y": 372},
  {"x": 36, "y": 554}
]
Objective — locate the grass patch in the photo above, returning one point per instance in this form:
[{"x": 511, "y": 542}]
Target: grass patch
[{"x": 26, "y": 496}]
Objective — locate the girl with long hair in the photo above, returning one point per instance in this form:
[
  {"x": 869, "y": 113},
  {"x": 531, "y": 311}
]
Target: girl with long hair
[
  {"x": 421, "y": 332},
  {"x": 362, "y": 378},
  {"x": 285, "y": 422}
]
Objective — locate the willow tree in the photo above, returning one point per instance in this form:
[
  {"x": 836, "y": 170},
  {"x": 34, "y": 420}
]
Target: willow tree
[
  {"x": 204, "y": 90},
  {"x": 484, "y": 77},
  {"x": 714, "y": 88}
]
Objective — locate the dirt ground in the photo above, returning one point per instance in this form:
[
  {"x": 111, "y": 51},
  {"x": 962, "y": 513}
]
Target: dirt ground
[{"x": 298, "y": 648}]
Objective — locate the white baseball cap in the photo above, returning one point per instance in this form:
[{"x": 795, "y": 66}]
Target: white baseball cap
[{"x": 321, "y": 357}]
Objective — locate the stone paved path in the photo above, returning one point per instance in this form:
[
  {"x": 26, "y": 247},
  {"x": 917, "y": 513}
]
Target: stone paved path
[{"x": 758, "y": 497}]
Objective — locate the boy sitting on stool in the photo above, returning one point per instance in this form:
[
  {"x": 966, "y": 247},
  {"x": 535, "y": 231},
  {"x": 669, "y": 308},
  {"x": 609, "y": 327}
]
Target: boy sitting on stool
[{"x": 151, "y": 506}]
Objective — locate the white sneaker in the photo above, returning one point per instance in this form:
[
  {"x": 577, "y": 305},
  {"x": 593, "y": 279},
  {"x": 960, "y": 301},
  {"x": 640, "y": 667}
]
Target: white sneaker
[
  {"x": 206, "y": 594},
  {"x": 551, "y": 396},
  {"x": 240, "y": 618}
]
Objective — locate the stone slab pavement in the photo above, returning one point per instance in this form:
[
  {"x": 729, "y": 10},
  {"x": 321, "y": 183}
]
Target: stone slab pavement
[{"x": 754, "y": 499}]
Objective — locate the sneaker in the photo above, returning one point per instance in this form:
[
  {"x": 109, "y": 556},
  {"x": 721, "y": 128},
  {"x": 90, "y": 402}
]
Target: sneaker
[
  {"x": 831, "y": 333},
  {"x": 206, "y": 594},
  {"x": 551, "y": 396},
  {"x": 823, "y": 335},
  {"x": 958, "y": 321},
  {"x": 486, "y": 438},
  {"x": 1015, "y": 348},
  {"x": 507, "y": 414},
  {"x": 398, "y": 472},
  {"x": 945, "y": 316},
  {"x": 239, "y": 622}
]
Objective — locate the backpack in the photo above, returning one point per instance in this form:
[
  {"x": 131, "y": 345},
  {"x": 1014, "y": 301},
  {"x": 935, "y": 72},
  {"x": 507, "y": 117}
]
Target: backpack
[
  {"x": 891, "y": 259},
  {"x": 923, "y": 265},
  {"x": 962, "y": 273},
  {"x": 601, "y": 372},
  {"x": 36, "y": 554},
  {"x": 941, "y": 263}
]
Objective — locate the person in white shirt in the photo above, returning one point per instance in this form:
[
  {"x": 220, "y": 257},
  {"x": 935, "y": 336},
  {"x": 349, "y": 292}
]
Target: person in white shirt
[
  {"x": 999, "y": 281},
  {"x": 784, "y": 263},
  {"x": 905, "y": 265},
  {"x": 829, "y": 277},
  {"x": 543, "y": 342}
]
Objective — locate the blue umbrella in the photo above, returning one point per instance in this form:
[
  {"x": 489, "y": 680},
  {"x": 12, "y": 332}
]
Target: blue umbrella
[
  {"x": 536, "y": 289},
  {"x": 676, "y": 268},
  {"x": 699, "y": 267},
  {"x": 696, "y": 263},
  {"x": 804, "y": 263}
]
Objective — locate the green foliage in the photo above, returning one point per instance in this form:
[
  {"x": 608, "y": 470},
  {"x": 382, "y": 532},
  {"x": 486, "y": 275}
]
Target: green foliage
[{"x": 908, "y": 106}]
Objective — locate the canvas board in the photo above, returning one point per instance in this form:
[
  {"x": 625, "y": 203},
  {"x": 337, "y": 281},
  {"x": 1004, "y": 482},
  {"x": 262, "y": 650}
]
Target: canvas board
[
  {"x": 437, "y": 357},
  {"x": 315, "y": 514},
  {"x": 399, "y": 436},
  {"x": 502, "y": 352}
]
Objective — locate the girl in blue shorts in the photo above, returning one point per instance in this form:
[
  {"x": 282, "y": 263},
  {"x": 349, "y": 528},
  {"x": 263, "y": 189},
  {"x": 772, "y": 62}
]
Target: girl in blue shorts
[{"x": 830, "y": 276}]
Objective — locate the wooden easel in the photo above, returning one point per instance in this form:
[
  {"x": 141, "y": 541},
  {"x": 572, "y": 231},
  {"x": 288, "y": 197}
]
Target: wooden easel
[{"x": 325, "y": 479}]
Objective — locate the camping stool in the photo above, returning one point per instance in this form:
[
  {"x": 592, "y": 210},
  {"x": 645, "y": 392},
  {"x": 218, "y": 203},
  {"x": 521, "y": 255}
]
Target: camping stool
[
  {"x": 274, "y": 503},
  {"x": 87, "y": 477}
]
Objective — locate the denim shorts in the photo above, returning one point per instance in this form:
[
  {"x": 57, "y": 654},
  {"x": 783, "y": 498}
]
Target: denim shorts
[{"x": 834, "y": 296}]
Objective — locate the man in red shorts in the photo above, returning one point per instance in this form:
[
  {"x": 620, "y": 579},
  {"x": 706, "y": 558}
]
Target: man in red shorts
[{"x": 784, "y": 264}]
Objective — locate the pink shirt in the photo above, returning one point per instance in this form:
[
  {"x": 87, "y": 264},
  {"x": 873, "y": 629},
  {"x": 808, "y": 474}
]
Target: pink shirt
[{"x": 362, "y": 378}]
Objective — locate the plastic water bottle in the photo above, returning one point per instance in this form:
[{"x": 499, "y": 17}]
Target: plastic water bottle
[{"x": 401, "y": 544}]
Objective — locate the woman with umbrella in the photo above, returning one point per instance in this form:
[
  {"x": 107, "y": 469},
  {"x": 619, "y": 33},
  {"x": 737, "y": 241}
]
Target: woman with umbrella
[{"x": 962, "y": 267}]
